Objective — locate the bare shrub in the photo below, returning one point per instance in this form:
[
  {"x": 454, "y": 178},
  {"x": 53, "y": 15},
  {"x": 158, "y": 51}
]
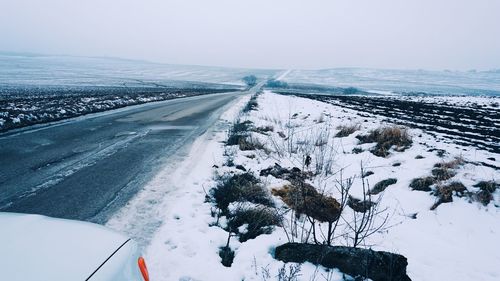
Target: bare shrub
[
  {"x": 304, "y": 199},
  {"x": 343, "y": 187},
  {"x": 238, "y": 131},
  {"x": 258, "y": 220},
  {"x": 241, "y": 127},
  {"x": 235, "y": 139},
  {"x": 387, "y": 138},
  {"x": 323, "y": 154},
  {"x": 322, "y": 140},
  {"x": 346, "y": 130},
  {"x": 365, "y": 224},
  {"x": 289, "y": 272},
  {"x": 291, "y": 146},
  {"x": 239, "y": 188},
  {"x": 252, "y": 104},
  {"x": 239, "y": 134},
  {"x": 250, "y": 143}
]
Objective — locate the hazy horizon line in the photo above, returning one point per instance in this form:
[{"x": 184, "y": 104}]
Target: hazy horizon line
[{"x": 39, "y": 54}]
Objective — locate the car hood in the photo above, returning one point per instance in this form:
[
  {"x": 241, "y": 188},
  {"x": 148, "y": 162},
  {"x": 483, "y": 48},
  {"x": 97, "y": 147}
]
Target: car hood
[{"x": 35, "y": 247}]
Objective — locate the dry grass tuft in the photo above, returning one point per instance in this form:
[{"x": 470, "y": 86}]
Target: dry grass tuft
[
  {"x": 259, "y": 220},
  {"x": 486, "y": 190},
  {"x": 445, "y": 193},
  {"x": 422, "y": 184},
  {"x": 387, "y": 138},
  {"x": 453, "y": 164},
  {"x": 250, "y": 143},
  {"x": 305, "y": 199},
  {"x": 346, "y": 130},
  {"x": 243, "y": 187},
  {"x": 489, "y": 186},
  {"x": 446, "y": 170}
]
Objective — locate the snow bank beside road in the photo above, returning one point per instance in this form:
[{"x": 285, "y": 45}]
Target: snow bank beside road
[
  {"x": 186, "y": 247},
  {"x": 456, "y": 241}
]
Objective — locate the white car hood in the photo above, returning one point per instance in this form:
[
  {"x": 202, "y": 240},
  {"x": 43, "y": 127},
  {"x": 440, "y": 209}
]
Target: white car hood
[{"x": 34, "y": 247}]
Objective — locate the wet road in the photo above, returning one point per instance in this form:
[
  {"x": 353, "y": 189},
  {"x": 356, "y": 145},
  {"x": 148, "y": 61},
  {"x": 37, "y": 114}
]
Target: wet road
[{"x": 88, "y": 168}]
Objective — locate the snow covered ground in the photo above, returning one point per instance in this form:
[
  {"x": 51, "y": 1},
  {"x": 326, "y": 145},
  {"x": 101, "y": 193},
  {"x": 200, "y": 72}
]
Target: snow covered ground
[
  {"x": 456, "y": 240},
  {"x": 402, "y": 81}
]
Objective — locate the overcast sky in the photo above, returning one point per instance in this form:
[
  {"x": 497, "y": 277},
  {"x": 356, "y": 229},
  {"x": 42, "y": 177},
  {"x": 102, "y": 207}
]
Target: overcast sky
[{"x": 427, "y": 34}]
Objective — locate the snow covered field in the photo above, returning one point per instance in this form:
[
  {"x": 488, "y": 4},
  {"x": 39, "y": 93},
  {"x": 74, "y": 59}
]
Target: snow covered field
[
  {"x": 446, "y": 231},
  {"x": 402, "y": 81}
]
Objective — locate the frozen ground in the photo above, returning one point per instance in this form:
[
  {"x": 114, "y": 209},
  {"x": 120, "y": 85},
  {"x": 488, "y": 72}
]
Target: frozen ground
[
  {"x": 402, "y": 81},
  {"x": 457, "y": 240}
]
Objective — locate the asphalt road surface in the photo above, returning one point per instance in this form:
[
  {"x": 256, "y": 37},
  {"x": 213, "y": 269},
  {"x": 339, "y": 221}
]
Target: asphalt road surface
[{"x": 89, "y": 167}]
